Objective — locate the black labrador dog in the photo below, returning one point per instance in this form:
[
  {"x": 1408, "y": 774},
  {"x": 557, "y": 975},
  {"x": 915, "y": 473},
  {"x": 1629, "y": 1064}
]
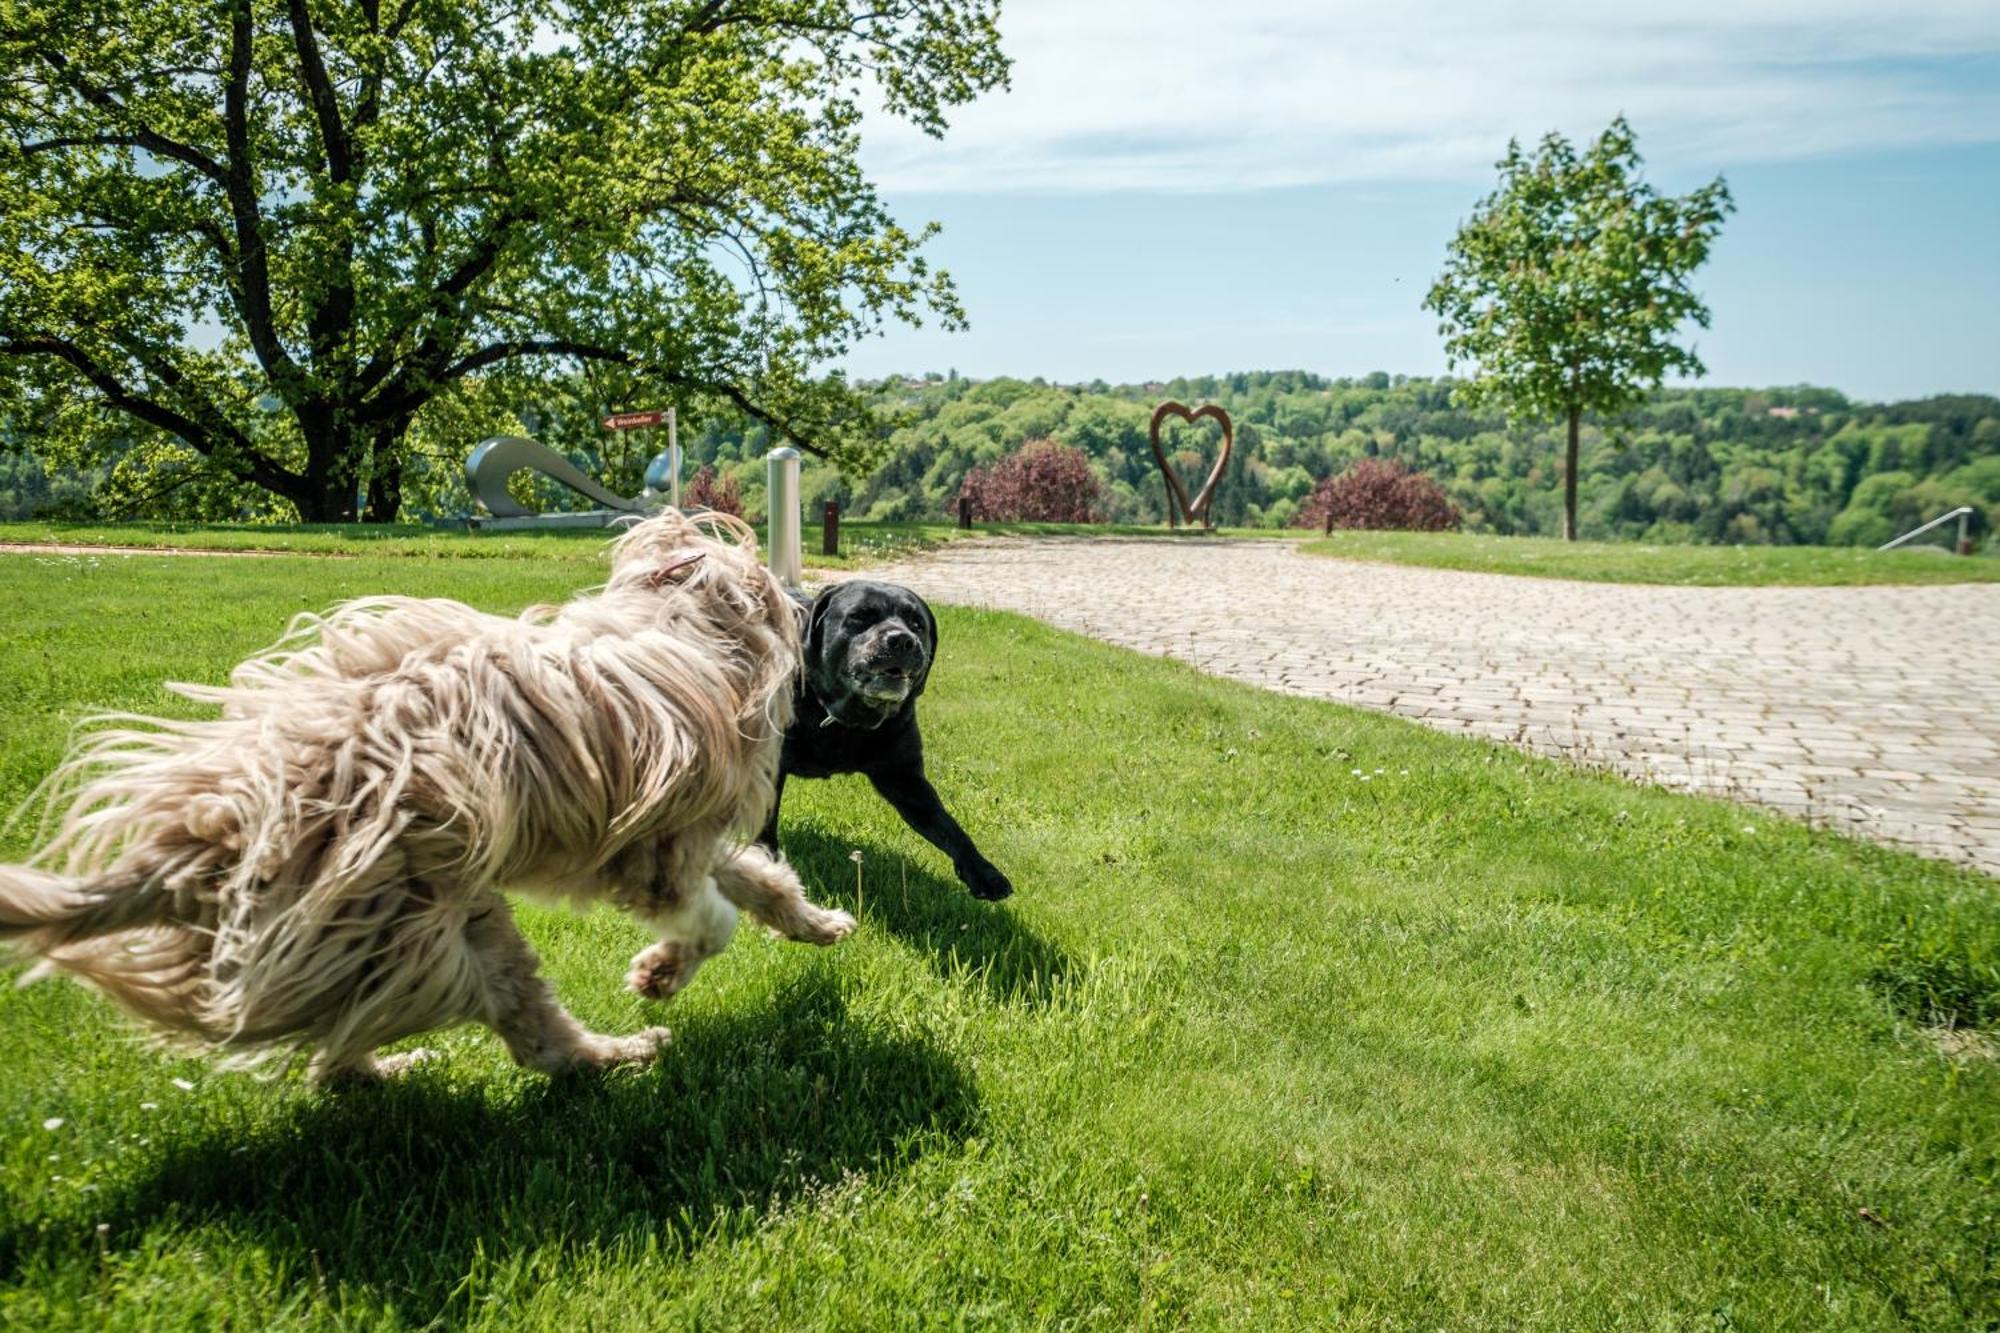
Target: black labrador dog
[{"x": 868, "y": 652}]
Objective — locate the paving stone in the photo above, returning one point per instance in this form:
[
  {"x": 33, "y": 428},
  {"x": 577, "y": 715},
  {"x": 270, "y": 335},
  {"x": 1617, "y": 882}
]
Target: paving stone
[{"x": 1804, "y": 694}]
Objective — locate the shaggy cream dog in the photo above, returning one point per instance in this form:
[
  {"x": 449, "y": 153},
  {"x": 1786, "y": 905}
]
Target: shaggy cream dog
[{"x": 320, "y": 867}]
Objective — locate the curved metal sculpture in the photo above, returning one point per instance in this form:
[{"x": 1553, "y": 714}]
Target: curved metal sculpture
[
  {"x": 663, "y": 474},
  {"x": 499, "y": 457},
  {"x": 1197, "y": 509}
]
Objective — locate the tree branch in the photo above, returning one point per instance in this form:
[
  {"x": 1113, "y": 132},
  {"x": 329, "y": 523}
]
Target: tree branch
[
  {"x": 257, "y": 467},
  {"x": 253, "y": 285},
  {"x": 141, "y": 137},
  {"x": 331, "y": 318},
  {"x": 434, "y": 352},
  {"x": 494, "y": 353},
  {"x": 319, "y": 89}
]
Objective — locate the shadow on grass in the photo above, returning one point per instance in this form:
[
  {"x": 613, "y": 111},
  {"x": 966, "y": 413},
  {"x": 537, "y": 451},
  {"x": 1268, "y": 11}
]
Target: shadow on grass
[
  {"x": 932, "y": 914},
  {"x": 414, "y": 1190}
]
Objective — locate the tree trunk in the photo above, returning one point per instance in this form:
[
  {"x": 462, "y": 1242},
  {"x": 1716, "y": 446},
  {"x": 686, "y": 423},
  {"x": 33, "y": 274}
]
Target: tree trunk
[
  {"x": 331, "y": 475},
  {"x": 385, "y": 475},
  {"x": 385, "y": 493},
  {"x": 1569, "y": 477}
]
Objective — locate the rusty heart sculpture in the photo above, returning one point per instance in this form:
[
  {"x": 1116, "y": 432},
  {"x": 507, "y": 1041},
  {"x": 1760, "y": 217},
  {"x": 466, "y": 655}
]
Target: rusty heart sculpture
[{"x": 1198, "y": 510}]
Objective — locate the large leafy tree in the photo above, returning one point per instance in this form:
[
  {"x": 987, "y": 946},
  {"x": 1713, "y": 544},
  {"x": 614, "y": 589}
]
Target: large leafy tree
[
  {"x": 1568, "y": 287},
  {"x": 274, "y": 232}
]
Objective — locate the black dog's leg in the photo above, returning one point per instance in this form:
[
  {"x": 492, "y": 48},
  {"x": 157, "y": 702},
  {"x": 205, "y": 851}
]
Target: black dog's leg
[
  {"x": 917, "y": 802},
  {"x": 768, "y": 839}
]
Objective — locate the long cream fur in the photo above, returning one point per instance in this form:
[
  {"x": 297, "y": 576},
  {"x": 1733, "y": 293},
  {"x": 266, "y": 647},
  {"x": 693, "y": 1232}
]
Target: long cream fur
[{"x": 319, "y": 868}]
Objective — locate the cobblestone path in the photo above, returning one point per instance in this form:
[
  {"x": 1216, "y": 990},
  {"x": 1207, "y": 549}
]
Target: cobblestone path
[{"x": 1876, "y": 710}]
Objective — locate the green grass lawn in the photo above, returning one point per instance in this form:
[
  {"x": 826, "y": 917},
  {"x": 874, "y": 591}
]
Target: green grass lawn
[
  {"x": 861, "y": 543},
  {"x": 1302, "y": 1017},
  {"x": 1637, "y": 562}
]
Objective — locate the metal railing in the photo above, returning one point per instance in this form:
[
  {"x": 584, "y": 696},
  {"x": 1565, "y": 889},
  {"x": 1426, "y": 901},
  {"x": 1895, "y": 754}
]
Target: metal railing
[{"x": 1962, "y": 513}]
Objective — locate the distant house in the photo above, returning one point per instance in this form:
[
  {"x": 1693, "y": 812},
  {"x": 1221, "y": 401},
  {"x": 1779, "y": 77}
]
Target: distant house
[{"x": 1787, "y": 413}]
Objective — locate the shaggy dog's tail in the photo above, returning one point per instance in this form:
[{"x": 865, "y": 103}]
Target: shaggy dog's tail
[
  {"x": 112, "y": 935},
  {"x": 43, "y": 911}
]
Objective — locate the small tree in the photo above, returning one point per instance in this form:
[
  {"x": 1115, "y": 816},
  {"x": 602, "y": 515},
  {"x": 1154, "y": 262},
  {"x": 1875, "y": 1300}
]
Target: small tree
[
  {"x": 1041, "y": 482},
  {"x": 1378, "y": 493},
  {"x": 723, "y": 496},
  {"x": 1568, "y": 285}
]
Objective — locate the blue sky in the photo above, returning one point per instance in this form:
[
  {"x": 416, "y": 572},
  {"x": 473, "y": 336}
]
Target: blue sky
[{"x": 1166, "y": 191}]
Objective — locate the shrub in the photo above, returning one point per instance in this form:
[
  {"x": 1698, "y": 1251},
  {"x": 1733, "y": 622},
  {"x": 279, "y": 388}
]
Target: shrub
[
  {"x": 703, "y": 489},
  {"x": 1041, "y": 482},
  {"x": 1378, "y": 493}
]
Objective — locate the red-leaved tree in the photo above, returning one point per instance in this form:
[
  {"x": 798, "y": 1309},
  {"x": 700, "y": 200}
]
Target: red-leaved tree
[
  {"x": 1378, "y": 493},
  {"x": 724, "y": 497},
  {"x": 1041, "y": 482}
]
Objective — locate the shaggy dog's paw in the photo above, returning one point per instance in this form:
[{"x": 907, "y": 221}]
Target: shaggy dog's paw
[
  {"x": 641, "y": 1048},
  {"x": 368, "y": 1071},
  {"x": 660, "y": 970},
  {"x": 828, "y": 925},
  {"x": 388, "y": 1066}
]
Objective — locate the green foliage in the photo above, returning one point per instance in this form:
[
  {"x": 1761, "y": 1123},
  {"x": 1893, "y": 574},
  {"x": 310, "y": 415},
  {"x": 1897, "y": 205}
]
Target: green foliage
[
  {"x": 1763, "y": 467},
  {"x": 277, "y": 235},
  {"x": 1568, "y": 285},
  {"x": 1258, "y": 1044}
]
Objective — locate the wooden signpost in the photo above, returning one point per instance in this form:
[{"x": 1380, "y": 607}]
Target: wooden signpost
[
  {"x": 645, "y": 421},
  {"x": 637, "y": 420}
]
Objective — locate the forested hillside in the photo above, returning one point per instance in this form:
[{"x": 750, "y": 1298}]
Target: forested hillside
[{"x": 1797, "y": 465}]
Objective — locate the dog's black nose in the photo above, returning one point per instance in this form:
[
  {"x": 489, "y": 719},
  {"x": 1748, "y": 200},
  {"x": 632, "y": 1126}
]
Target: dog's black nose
[{"x": 900, "y": 643}]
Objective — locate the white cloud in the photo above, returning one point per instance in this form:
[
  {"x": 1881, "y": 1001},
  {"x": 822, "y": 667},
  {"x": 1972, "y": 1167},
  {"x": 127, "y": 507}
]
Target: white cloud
[{"x": 1191, "y": 94}]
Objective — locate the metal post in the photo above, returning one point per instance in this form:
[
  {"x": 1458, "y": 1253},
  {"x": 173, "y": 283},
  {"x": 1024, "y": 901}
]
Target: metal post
[
  {"x": 782, "y": 524},
  {"x": 1964, "y": 542},
  {"x": 964, "y": 512},
  {"x": 674, "y": 453},
  {"x": 829, "y": 529}
]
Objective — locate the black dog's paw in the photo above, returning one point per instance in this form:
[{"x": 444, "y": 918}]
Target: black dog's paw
[{"x": 986, "y": 883}]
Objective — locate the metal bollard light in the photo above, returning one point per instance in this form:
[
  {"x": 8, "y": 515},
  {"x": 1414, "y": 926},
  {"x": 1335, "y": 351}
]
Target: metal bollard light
[{"x": 782, "y": 540}]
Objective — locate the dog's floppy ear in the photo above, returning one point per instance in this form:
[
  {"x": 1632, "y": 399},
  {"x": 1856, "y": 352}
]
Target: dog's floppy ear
[
  {"x": 675, "y": 571},
  {"x": 816, "y": 624},
  {"x": 926, "y": 625},
  {"x": 930, "y": 626}
]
